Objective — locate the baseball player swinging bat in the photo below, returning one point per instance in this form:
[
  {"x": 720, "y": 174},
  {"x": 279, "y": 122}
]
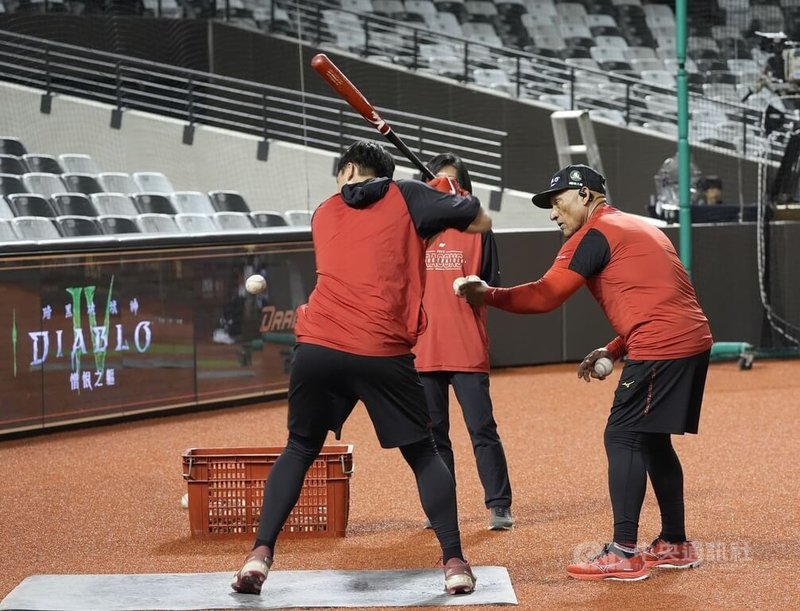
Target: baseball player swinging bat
[{"x": 350, "y": 93}]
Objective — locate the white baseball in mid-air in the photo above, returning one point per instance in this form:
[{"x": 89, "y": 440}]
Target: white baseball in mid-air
[
  {"x": 185, "y": 501},
  {"x": 603, "y": 366},
  {"x": 255, "y": 284}
]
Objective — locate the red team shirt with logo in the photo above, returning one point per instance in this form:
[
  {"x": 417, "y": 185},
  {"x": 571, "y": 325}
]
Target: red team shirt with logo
[{"x": 456, "y": 338}]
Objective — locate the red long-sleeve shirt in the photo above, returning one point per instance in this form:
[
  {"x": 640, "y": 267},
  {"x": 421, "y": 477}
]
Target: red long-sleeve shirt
[{"x": 634, "y": 273}]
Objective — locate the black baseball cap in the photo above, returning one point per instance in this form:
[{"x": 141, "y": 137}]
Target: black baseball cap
[{"x": 571, "y": 177}]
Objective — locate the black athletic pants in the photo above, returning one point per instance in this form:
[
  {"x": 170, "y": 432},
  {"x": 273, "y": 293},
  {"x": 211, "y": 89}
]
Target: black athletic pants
[
  {"x": 472, "y": 392},
  {"x": 435, "y": 484},
  {"x": 632, "y": 457}
]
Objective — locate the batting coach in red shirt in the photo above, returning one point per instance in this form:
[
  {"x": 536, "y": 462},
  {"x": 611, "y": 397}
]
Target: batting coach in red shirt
[
  {"x": 354, "y": 341},
  {"x": 634, "y": 273}
]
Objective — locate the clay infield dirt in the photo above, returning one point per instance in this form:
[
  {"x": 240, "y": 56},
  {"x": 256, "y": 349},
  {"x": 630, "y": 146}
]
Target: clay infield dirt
[{"x": 107, "y": 499}]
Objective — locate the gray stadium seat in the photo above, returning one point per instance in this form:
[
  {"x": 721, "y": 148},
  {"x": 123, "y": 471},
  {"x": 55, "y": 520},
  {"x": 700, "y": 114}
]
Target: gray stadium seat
[
  {"x": 11, "y": 164},
  {"x": 43, "y": 163},
  {"x": 78, "y": 163},
  {"x": 228, "y": 201},
  {"x": 300, "y": 218},
  {"x": 153, "y": 203},
  {"x": 73, "y": 204},
  {"x": 268, "y": 218},
  {"x": 233, "y": 221},
  {"x": 114, "y": 204},
  {"x": 117, "y": 182},
  {"x": 76, "y": 226},
  {"x": 35, "y": 228},
  {"x": 30, "y": 204},
  {"x": 81, "y": 183},
  {"x": 11, "y": 183},
  {"x": 7, "y": 233},
  {"x": 157, "y": 223},
  {"x": 5, "y": 210},
  {"x": 192, "y": 202},
  {"x": 195, "y": 223},
  {"x": 12, "y": 146},
  {"x": 153, "y": 182},
  {"x": 112, "y": 224},
  {"x": 43, "y": 184}
]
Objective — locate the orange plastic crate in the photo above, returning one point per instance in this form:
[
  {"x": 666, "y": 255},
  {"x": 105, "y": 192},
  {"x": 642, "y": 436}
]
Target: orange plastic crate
[{"x": 226, "y": 487}]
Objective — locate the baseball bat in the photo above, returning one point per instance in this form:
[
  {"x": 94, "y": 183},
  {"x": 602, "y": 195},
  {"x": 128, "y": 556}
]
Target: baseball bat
[{"x": 350, "y": 93}]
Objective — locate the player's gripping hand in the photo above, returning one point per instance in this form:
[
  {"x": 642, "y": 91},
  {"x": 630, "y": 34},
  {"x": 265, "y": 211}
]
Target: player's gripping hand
[
  {"x": 471, "y": 288},
  {"x": 586, "y": 369},
  {"x": 445, "y": 184}
]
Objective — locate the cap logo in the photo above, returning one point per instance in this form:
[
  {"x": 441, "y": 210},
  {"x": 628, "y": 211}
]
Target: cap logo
[
  {"x": 575, "y": 175},
  {"x": 555, "y": 180}
]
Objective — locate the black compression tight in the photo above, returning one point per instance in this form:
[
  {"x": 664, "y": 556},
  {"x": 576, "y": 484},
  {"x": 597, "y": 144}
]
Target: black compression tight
[
  {"x": 284, "y": 485},
  {"x": 632, "y": 457},
  {"x": 437, "y": 492}
]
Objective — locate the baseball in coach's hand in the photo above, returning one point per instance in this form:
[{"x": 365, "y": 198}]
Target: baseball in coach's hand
[
  {"x": 255, "y": 284},
  {"x": 603, "y": 366}
]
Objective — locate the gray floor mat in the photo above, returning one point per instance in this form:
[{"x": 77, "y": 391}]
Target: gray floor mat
[{"x": 283, "y": 590}]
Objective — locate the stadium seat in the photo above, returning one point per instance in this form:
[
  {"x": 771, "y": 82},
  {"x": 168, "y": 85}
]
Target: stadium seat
[
  {"x": 268, "y": 219},
  {"x": 114, "y": 204},
  {"x": 75, "y": 163},
  {"x": 156, "y": 223},
  {"x": 11, "y": 183},
  {"x": 118, "y": 224},
  {"x": 73, "y": 204},
  {"x": 43, "y": 184},
  {"x": 12, "y": 146},
  {"x": 153, "y": 203},
  {"x": 233, "y": 221},
  {"x": 11, "y": 164},
  {"x": 6, "y": 212},
  {"x": 117, "y": 182},
  {"x": 600, "y": 20},
  {"x": 35, "y": 228},
  {"x": 153, "y": 182},
  {"x": 76, "y": 226},
  {"x": 81, "y": 183},
  {"x": 300, "y": 218},
  {"x": 195, "y": 223},
  {"x": 7, "y": 233},
  {"x": 193, "y": 202},
  {"x": 228, "y": 201},
  {"x": 43, "y": 163},
  {"x": 31, "y": 204}
]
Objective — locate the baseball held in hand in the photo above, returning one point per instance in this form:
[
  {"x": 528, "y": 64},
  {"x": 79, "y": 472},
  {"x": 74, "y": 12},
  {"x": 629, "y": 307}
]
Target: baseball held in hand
[
  {"x": 461, "y": 281},
  {"x": 603, "y": 366},
  {"x": 255, "y": 284}
]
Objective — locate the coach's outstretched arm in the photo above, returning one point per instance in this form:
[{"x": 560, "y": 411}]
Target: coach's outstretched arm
[{"x": 544, "y": 295}]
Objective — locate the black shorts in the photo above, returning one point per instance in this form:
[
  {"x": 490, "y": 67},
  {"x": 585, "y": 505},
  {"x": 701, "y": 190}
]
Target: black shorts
[
  {"x": 325, "y": 384},
  {"x": 660, "y": 396}
]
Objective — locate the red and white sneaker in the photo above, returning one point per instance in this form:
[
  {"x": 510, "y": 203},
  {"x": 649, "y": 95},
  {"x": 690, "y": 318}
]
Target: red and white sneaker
[
  {"x": 610, "y": 564},
  {"x": 662, "y": 554},
  {"x": 458, "y": 577},
  {"x": 253, "y": 574}
]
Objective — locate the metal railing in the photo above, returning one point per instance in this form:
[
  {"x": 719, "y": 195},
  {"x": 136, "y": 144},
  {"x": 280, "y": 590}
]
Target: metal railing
[
  {"x": 269, "y": 112},
  {"x": 622, "y": 98}
]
